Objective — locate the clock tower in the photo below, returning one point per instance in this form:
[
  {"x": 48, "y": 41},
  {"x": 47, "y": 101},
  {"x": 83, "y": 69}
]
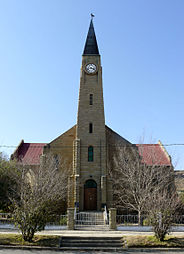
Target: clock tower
[{"x": 89, "y": 160}]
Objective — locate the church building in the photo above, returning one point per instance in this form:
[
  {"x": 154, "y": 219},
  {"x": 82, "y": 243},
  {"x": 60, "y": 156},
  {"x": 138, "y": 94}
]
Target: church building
[{"x": 87, "y": 146}]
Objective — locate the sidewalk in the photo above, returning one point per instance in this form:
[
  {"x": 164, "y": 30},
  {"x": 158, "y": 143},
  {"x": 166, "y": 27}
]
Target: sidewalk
[
  {"x": 121, "y": 231},
  {"x": 86, "y": 233}
]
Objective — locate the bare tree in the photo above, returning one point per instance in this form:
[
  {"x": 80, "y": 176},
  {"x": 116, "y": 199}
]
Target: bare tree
[
  {"x": 37, "y": 190},
  {"x": 134, "y": 180},
  {"x": 162, "y": 207}
]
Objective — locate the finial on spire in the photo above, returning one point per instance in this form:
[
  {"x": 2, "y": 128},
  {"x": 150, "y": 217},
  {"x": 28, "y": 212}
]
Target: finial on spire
[
  {"x": 92, "y": 15},
  {"x": 91, "y": 47}
]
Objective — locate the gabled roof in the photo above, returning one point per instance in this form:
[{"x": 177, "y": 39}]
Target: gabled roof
[
  {"x": 116, "y": 135},
  {"x": 28, "y": 153},
  {"x": 154, "y": 154},
  {"x": 151, "y": 154},
  {"x": 91, "y": 47},
  {"x": 71, "y": 132}
]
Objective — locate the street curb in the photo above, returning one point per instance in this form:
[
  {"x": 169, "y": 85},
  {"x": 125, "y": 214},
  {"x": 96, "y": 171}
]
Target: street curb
[
  {"x": 26, "y": 247},
  {"x": 154, "y": 249},
  {"x": 61, "y": 249}
]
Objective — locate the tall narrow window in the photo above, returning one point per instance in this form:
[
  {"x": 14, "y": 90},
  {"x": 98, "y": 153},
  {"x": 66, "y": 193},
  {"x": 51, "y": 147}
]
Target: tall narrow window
[
  {"x": 90, "y": 128},
  {"x": 91, "y": 99},
  {"x": 56, "y": 161},
  {"x": 90, "y": 153}
]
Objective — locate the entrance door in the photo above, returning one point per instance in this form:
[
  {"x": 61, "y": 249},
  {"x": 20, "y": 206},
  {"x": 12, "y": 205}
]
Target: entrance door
[{"x": 90, "y": 195}]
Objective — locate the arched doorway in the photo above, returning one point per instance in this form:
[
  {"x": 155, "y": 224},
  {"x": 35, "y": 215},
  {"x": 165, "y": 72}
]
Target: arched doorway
[{"x": 90, "y": 195}]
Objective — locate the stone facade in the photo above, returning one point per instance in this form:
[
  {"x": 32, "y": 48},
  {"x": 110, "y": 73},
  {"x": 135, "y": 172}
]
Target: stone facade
[{"x": 94, "y": 115}]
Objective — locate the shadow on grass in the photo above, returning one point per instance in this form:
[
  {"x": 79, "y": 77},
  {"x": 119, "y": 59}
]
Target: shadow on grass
[
  {"x": 51, "y": 241},
  {"x": 10, "y": 239},
  {"x": 13, "y": 239},
  {"x": 176, "y": 241},
  {"x": 153, "y": 242}
]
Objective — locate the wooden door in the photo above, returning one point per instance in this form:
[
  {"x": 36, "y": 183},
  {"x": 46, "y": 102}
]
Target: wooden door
[{"x": 90, "y": 199}]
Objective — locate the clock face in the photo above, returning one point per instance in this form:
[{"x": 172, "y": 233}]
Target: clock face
[{"x": 90, "y": 68}]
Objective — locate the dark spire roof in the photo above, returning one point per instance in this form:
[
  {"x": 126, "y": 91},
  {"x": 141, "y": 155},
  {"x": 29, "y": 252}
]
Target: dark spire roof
[{"x": 91, "y": 47}]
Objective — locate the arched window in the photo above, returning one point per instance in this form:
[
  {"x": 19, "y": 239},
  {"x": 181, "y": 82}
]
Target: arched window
[
  {"x": 90, "y": 184},
  {"x": 90, "y": 153},
  {"x": 90, "y": 128},
  {"x": 91, "y": 99}
]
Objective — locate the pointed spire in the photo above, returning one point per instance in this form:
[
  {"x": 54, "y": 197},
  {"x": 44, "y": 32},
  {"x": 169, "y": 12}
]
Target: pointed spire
[{"x": 91, "y": 47}]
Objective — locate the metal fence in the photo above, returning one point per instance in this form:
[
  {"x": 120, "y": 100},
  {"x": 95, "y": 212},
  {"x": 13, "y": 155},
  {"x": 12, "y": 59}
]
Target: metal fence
[
  {"x": 6, "y": 218},
  {"x": 56, "y": 220},
  {"x": 87, "y": 218},
  {"x": 128, "y": 219},
  {"x": 91, "y": 221},
  {"x": 133, "y": 220},
  {"x": 178, "y": 219},
  {"x": 5, "y": 215}
]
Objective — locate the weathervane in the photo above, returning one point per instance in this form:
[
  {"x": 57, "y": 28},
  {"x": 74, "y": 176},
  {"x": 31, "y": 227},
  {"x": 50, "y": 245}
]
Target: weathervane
[{"x": 92, "y": 15}]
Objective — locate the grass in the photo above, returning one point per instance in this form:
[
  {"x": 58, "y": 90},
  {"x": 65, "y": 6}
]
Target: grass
[
  {"x": 133, "y": 241},
  {"x": 153, "y": 242},
  {"x": 38, "y": 240}
]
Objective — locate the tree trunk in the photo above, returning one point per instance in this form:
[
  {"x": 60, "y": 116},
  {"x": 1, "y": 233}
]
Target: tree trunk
[
  {"x": 140, "y": 219},
  {"x": 28, "y": 235}
]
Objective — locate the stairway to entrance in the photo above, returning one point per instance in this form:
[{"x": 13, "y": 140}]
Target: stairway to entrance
[
  {"x": 91, "y": 243},
  {"x": 91, "y": 221}
]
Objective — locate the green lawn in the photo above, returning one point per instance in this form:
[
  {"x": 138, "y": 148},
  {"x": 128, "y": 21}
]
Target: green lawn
[
  {"x": 132, "y": 241},
  {"x": 38, "y": 240},
  {"x": 151, "y": 241}
]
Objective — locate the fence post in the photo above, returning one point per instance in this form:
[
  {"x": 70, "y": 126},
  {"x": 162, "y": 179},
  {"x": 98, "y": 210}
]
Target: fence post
[
  {"x": 70, "y": 219},
  {"x": 112, "y": 218}
]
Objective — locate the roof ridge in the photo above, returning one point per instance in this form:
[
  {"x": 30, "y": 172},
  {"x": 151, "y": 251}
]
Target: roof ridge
[{"x": 165, "y": 151}]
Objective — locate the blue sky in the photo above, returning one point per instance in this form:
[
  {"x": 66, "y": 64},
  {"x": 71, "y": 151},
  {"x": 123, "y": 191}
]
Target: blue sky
[{"x": 141, "y": 43}]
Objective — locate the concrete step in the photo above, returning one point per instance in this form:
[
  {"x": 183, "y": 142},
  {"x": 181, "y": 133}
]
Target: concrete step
[
  {"x": 91, "y": 242},
  {"x": 89, "y": 222},
  {"x": 92, "y": 227},
  {"x": 86, "y": 244},
  {"x": 92, "y": 249},
  {"x": 92, "y": 238}
]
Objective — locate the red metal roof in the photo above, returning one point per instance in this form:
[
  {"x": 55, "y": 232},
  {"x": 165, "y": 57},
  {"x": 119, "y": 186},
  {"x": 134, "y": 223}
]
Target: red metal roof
[
  {"x": 153, "y": 154},
  {"x": 29, "y": 153}
]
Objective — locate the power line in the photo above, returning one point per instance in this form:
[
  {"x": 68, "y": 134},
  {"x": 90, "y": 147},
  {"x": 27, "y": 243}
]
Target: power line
[{"x": 108, "y": 145}]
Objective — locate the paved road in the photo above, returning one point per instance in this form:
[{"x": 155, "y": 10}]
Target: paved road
[{"x": 150, "y": 251}]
